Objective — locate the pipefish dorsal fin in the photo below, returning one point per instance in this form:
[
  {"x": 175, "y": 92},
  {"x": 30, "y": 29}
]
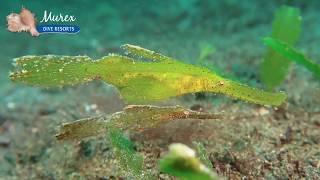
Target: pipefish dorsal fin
[{"x": 143, "y": 53}]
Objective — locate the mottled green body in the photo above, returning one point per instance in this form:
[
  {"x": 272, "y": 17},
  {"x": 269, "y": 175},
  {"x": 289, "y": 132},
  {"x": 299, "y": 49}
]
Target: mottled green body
[
  {"x": 154, "y": 78},
  {"x": 140, "y": 81}
]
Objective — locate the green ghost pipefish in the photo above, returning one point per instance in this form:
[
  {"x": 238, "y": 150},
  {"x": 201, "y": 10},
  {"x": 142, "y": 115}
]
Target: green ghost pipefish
[{"x": 149, "y": 77}]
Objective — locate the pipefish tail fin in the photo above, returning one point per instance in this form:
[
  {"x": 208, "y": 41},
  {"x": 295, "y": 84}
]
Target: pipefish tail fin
[
  {"x": 253, "y": 95},
  {"x": 53, "y": 71}
]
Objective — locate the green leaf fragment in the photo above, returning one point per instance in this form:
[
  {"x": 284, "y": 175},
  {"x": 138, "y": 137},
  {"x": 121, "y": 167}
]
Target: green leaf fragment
[
  {"x": 286, "y": 27},
  {"x": 182, "y": 162},
  {"x": 130, "y": 161},
  {"x": 292, "y": 54},
  {"x": 138, "y": 81},
  {"x": 206, "y": 50},
  {"x": 202, "y": 153}
]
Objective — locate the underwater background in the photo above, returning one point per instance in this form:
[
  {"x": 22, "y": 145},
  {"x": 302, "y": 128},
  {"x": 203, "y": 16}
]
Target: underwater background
[{"x": 249, "y": 141}]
